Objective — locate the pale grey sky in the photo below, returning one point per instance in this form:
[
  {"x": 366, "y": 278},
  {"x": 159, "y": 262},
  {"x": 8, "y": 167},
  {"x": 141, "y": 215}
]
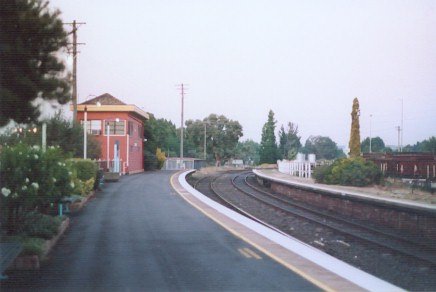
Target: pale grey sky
[{"x": 305, "y": 60}]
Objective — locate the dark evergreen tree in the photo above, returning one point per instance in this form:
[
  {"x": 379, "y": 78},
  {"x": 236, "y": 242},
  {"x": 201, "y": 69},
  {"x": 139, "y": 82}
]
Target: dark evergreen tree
[
  {"x": 283, "y": 139},
  {"x": 269, "y": 152},
  {"x": 30, "y": 37}
]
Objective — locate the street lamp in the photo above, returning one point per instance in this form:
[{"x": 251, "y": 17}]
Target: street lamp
[
  {"x": 85, "y": 133},
  {"x": 107, "y": 141}
]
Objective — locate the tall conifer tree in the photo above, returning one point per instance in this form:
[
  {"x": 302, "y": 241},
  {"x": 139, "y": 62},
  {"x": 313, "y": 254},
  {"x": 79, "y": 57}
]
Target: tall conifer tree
[
  {"x": 269, "y": 152},
  {"x": 354, "y": 143},
  {"x": 31, "y": 36}
]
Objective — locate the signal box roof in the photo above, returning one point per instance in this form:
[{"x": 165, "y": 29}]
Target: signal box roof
[{"x": 109, "y": 103}]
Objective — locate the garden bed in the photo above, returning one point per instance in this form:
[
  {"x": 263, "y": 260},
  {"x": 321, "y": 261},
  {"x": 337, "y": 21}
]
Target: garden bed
[{"x": 32, "y": 262}]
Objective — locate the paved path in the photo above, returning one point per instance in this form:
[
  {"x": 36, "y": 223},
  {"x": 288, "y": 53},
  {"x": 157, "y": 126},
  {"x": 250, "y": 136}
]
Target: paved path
[{"x": 138, "y": 234}]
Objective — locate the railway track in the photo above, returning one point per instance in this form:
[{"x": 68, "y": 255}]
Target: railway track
[
  {"x": 225, "y": 186},
  {"x": 402, "y": 261}
]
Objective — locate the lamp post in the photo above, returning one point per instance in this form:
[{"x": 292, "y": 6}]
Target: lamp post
[
  {"x": 85, "y": 133},
  {"x": 44, "y": 137},
  {"x": 402, "y": 124},
  {"x": 107, "y": 145},
  {"x": 107, "y": 140}
]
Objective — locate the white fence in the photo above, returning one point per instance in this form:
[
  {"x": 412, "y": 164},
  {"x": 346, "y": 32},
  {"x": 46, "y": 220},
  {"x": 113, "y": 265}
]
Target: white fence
[
  {"x": 178, "y": 164},
  {"x": 300, "y": 167}
]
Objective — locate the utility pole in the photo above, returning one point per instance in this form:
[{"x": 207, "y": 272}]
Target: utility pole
[
  {"x": 182, "y": 93},
  {"x": 370, "y": 136},
  {"x": 74, "y": 93},
  {"x": 399, "y": 130},
  {"x": 205, "y": 141},
  {"x": 402, "y": 124}
]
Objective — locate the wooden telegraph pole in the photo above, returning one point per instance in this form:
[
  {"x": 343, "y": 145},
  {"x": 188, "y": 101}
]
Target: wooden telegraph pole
[{"x": 75, "y": 43}]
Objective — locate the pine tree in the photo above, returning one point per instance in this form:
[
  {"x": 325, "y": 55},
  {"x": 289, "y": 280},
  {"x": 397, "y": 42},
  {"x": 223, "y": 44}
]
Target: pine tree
[
  {"x": 269, "y": 152},
  {"x": 354, "y": 143},
  {"x": 30, "y": 36}
]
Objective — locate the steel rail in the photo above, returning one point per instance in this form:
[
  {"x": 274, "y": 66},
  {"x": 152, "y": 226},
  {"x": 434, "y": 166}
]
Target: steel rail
[{"x": 424, "y": 257}]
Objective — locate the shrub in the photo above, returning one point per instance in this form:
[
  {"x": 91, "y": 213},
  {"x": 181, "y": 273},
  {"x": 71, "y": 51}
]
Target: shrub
[
  {"x": 32, "y": 246},
  {"x": 99, "y": 177},
  {"x": 39, "y": 225},
  {"x": 85, "y": 168},
  {"x": 150, "y": 160},
  {"x": 31, "y": 179},
  {"x": 84, "y": 175},
  {"x": 349, "y": 172},
  {"x": 320, "y": 173},
  {"x": 160, "y": 156}
]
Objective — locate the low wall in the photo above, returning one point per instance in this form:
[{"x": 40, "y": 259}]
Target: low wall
[{"x": 415, "y": 221}]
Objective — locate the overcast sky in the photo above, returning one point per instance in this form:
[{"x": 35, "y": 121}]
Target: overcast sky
[{"x": 305, "y": 60}]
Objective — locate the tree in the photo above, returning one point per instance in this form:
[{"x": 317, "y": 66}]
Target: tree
[
  {"x": 354, "y": 143},
  {"x": 60, "y": 132},
  {"x": 377, "y": 145},
  {"x": 222, "y": 136},
  {"x": 268, "y": 147},
  {"x": 248, "y": 151},
  {"x": 69, "y": 137},
  {"x": 322, "y": 147},
  {"x": 160, "y": 133},
  {"x": 429, "y": 145},
  {"x": 30, "y": 37},
  {"x": 289, "y": 141}
]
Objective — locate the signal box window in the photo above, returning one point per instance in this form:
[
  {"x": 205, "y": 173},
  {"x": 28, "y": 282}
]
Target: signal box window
[
  {"x": 115, "y": 128},
  {"x": 93, "y": 127}
]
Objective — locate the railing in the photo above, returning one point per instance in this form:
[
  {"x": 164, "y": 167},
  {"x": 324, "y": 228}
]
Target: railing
[
  {"x": 296, "y": 168},
  {"x": 114, "y": 166}
]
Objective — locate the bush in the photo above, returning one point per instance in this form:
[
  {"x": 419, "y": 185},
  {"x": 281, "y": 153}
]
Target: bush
[
  {"x": 31, "y": 179},
  {"x": 150, "y": 160},
  {"x": 85, "y": 169},
  {"x": 84, "y": 174},
  {"x": 349, "y": 172},
  {"x": 99, "y": 177},
  {"x": 32, "y": 246},
  {"x": 39, "y": 225},
  {"x": 320, "y": 173},
  {"x": 160, "y": 156}
]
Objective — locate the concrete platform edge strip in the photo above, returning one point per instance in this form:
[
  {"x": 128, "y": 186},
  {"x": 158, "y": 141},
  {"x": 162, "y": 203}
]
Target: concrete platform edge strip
[
  {"x": 342, "y": 269},
  {"x": 332, "y": 190}
]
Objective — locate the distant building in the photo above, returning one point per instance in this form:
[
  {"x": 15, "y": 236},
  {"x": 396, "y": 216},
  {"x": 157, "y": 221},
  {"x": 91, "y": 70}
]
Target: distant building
[{"x": 122, "y": 149}]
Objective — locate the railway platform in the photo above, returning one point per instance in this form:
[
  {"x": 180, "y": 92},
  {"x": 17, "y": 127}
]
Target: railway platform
[
  {"x": 344, "y": 191},
  {"x": 324, "y": 271}
]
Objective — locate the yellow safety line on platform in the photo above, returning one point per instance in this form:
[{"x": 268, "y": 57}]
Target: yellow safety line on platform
[
  {"x": 293, "y": 268},
  {"x": 252, "y": 253},
  {"x": 244, "y": 253}
]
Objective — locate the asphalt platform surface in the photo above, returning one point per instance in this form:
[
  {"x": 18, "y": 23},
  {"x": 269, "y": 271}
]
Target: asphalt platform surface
[{"x": 139, "y": 234}]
